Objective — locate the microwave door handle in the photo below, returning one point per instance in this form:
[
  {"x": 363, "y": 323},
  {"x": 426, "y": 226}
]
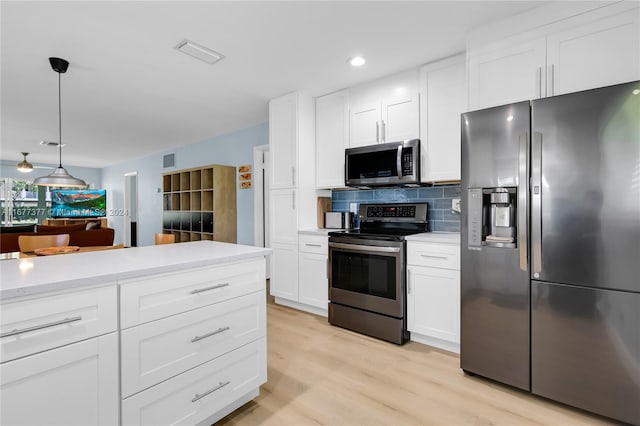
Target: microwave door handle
[{"x": 399, "y": 161}]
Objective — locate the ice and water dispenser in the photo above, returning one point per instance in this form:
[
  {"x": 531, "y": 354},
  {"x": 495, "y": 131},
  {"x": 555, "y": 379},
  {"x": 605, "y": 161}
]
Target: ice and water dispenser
[{"x": 493, "y": 217}]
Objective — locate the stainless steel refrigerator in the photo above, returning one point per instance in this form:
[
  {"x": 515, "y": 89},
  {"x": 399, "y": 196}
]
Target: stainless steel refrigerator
[{"x": 550, "y": 248}]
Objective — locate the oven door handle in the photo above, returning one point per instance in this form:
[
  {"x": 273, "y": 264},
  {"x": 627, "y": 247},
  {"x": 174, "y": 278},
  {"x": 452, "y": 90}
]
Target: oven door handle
[{"x": 360, "y": 247}]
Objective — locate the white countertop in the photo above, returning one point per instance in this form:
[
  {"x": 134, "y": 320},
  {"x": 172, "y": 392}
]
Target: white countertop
[
  {"x": 436, "y": 237},
  {"x": 32, "y": 276},
  {"x": 318, "y": 231}
]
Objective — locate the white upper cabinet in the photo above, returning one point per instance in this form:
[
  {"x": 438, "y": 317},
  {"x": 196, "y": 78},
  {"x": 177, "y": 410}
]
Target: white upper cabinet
[
  {"x": 596, "y": 54},
  {"x": 443, "y": 97},
  {"x": 591, "y": 49},
  {"x": 400, "y": 116},
  {"x": 385, "y": 110},
  {"x": 332, "y": 138},
  {"x": 283, "y": 117},
  {"x": 512, "y": 74}
]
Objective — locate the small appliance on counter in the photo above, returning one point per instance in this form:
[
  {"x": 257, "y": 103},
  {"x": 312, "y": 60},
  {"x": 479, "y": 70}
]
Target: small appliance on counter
[{"x": 338, "y": 220}]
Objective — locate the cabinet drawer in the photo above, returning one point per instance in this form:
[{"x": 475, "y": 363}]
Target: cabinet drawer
[
  {"x": 159, "y": 296},
  {"x": 318, "y": 244},
  {"x": 446, "y": 256},
  {"x": 198, "y": 393},
  {"x": 35, "y": 325},
  {"x": 161, "y": 349}
]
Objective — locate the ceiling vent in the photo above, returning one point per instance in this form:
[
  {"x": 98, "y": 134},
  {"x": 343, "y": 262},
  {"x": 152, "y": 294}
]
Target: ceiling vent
[
  {"x": 199, "y": 52},
  {"x": 51, "y": 144},
  {"x": 169, "y": 160}
]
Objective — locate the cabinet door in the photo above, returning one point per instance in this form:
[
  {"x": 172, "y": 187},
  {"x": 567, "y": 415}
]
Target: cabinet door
[
  {"x": 365, "y": 124},
  {"x": 313, "y": 280},
  {"x": 284, "y": 271},
  {"x": 400, "y": 119},
  {"x": 597, "y": 54},
  {"x": 282, "y": 140},
  {"x": 433, "y": 302},
  {"x": 332, "y": 138},
  {"x": 443, "y": 98},
  {"x": 512, "y": 74},
  {"x": 284, "y": 224},
  {"x": 72, "y": 385}
]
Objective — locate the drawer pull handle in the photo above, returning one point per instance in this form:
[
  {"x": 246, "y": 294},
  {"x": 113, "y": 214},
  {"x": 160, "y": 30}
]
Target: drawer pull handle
[
  {"x": 213, "y": 333},
  {"x": 312, "y": 245},
  {"x": 213, "y": 287},
  {"x": 434, "y": 257},
  {"x": 40, "y": 327},
  {"x": 202, "y": 395}
]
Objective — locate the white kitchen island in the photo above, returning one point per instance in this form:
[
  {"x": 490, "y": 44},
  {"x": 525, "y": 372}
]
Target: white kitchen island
[{"x": 152, "y": 335}]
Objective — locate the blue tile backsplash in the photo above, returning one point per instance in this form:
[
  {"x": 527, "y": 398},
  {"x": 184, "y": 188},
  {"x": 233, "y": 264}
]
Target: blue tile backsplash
[{"x": 438, "y": 198}]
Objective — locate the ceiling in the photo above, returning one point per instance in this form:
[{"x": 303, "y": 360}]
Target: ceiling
[{"x": 128, "y": 93}]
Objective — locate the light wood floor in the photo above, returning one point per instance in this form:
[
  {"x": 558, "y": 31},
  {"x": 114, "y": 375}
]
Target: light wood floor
[{"x": 320, "y": 374}]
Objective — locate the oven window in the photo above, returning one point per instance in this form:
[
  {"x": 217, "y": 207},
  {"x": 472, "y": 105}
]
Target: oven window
[{"x": 364, "y": 273}]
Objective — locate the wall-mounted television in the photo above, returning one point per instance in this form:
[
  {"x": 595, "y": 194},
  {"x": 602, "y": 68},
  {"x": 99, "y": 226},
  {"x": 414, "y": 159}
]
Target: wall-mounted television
[{"x": 81, "y": 203}]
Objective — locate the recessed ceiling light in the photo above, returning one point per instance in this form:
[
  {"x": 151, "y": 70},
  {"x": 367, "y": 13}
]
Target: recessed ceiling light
[
  {"x": 51, "y": 144},
  {"x": 356, "y": 61},
  {"x": 199, "y": 52}
]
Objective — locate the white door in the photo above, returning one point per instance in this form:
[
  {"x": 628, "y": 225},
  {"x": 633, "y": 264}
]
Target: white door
[
  {"x": 597, "y": 54},
  {"x": 365, "y": 124},
  {"x": 284, "y": 271},
  {"x": 400, "y": 118},
  {"x": 282, "y": 140},
  {"x": 72, "y": 385},
  {"x": 284, "y": 224},
  {"x": 512, "y": 74},
  {"x": 313, "y": 282},
  {"x": 433, "y": 304},
  {"x": 332, "y": 138}
]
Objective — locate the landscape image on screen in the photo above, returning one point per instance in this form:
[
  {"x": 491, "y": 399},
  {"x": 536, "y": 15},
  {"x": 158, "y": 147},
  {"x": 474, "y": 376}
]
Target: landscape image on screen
[{"x": 78, "y": 203}]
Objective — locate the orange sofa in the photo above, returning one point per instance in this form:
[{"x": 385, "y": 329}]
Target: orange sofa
[{"x": 79, "y": 235}]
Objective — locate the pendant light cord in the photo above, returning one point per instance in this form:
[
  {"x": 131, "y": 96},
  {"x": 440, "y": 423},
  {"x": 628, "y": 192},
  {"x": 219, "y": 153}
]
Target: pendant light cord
[{"x": 59, "y": 122}]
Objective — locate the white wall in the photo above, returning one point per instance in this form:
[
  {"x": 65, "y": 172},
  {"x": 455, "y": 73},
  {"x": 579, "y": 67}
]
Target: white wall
[{"x": 233, "y": 149}]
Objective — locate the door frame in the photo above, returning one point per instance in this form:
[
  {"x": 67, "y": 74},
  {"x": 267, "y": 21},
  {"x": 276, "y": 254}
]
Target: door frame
[
  {"x": 261, "y": 199},
  {"x": 128, "y": 218}
]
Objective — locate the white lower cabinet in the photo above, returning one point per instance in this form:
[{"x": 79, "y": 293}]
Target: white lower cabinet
[
  {"x": 203, "y": 353},
  {"x": 75, "y": 384},
  {"x": 195, "y": 395},
  {"x": 313, "y": 281},
  {"x": 433, "y": 294},
  {"x": 300, "y": 277},
  {"x": 284, "y": 271}
]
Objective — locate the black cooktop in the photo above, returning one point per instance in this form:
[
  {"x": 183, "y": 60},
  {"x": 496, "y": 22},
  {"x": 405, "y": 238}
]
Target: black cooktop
[{"x": 390, "y": 222}]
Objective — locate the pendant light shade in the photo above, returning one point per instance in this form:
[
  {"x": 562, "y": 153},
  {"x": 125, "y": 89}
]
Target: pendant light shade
[
  {"x": 60, "y": 176},
  {"x": 24, "y": 166}
]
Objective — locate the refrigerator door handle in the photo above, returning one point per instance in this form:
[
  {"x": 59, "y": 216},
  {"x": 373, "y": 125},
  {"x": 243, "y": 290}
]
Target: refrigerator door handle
[
  {"x": 523, "y": 192},
  {"x": 536, "y": 204}
]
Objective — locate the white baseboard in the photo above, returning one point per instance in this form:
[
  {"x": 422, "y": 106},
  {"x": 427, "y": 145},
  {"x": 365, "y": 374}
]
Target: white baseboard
[
  {"x": 435, "y": 342},
  {"x": 302, "y": 307}
]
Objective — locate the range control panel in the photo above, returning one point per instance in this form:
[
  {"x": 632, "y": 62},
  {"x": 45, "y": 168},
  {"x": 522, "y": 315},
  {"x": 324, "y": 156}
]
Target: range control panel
[
  {"x": 415, "y": 212},
  {"x": 391, "y": 211}
]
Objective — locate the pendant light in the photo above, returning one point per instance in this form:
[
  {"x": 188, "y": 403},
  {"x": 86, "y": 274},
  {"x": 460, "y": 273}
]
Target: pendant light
[
  {"x": 60, "y": 176},
  {"x": 24, "y": 166}
]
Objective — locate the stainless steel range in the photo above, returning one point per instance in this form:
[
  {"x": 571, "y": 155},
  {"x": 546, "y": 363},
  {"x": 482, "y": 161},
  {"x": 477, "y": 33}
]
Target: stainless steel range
[{"x": 367, "y": 278}]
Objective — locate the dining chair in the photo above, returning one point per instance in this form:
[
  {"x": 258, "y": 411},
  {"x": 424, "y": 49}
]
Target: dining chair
[
  {"x": 165, "y": 239},
  {"x": 29, "y": 243}
]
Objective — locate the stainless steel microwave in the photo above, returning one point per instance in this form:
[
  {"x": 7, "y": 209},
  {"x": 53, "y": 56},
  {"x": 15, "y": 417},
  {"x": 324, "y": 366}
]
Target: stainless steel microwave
[{"x": 385, "y": 164}]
